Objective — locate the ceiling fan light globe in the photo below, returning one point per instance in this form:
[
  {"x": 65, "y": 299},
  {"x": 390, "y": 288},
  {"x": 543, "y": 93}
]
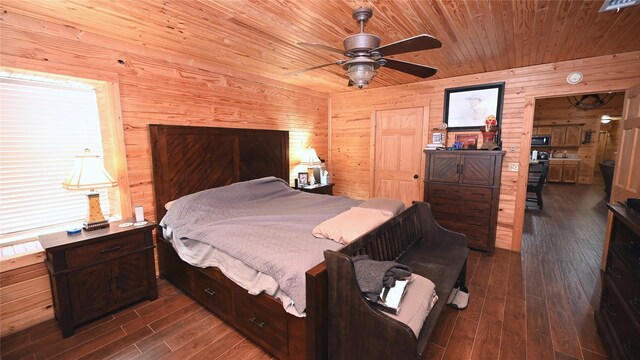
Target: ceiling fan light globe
[{"x": 361, "y": 74}]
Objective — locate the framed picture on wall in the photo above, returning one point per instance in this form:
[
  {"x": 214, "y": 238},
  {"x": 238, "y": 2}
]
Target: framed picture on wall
[
  {"x": 467, "y": 108},
  {"x": 468, "y": 141}
]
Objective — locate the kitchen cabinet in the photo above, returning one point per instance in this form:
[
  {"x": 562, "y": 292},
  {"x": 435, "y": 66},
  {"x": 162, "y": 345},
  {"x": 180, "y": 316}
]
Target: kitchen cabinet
[
  {"x": 96, "y": 272},
  {"x": 463, "y": 189},
  {"x": 566, "y": 136},
  {"x": 543, "y": 130},
  {"x": 561, "y": 170}
]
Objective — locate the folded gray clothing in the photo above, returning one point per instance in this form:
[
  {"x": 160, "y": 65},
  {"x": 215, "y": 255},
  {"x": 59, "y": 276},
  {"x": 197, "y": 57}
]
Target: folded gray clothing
[{"x": 373, "y": 275}]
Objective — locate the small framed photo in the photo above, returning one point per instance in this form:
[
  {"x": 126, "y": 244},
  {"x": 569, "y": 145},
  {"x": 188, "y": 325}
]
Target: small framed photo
[
  {"x": 439, "y": 137},
  {"x": 303, "y": 179},
  {"x": 468, "y": 141}
]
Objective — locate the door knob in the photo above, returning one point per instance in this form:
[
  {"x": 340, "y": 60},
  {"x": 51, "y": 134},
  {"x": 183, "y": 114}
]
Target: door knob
[{"x": 415, "y": 176}]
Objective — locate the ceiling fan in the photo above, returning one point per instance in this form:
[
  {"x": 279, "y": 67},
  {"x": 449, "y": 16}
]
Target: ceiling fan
[{"x": 365, "y": 55}]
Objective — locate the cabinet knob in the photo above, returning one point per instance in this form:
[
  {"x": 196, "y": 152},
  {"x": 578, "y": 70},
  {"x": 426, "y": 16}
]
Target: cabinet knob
[{"x": 415, "y": 176}]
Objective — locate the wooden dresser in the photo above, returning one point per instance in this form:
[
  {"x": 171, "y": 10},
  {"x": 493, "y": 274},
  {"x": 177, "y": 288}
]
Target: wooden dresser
[
  {"x": 463, "y": 188},
  {"x": 618, "y": 316}
]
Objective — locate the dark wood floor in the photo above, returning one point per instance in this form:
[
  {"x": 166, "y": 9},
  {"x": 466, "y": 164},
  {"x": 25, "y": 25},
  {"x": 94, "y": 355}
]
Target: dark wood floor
[{"x": 534, "y": 305}]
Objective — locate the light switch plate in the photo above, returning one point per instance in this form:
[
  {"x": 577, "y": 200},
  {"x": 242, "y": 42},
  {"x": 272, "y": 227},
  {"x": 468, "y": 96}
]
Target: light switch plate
[
  {"x": 513, "y": 148},
  {"x": 513, "y": 167}
]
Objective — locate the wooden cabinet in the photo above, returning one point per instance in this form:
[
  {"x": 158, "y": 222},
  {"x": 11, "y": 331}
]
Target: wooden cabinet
[
  {"x": 463, "y": 188},
  {"x": 542, "y": 130},
  {"x": 618, "y": 316},
  {"x": 565, "y": 171},
  {"x": 94, "y": 273},
  {"x": 566, "y": 136}
]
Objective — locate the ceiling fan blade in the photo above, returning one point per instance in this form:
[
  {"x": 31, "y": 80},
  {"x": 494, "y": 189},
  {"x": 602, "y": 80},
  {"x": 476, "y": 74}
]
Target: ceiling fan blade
[
  {"x": 416, "y": 43},
  {"x": 410, "y": 68},
  {"x": 339, "y": 62},
  {"x": 321, "y": 47}
]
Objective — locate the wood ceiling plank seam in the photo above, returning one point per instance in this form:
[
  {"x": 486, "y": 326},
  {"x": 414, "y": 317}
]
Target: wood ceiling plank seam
[
  {"x": 563, "y": 12},
  {"x": 431, "y": 21},
  {"x": 565, "y": 37},
  {"x": 506, "y": 13},
  {"x": 588, "y": 25},
  {"x": 537, "y": 32},
  {"x": 551, "y": 13},
  {"x": 498, "y": 31},
  {"x": 479, "y": 40},
  {"x": 471, "y": 55},
  {"x": 624, "y": 23},
  {"x": 482, "y": 21},
  {"x": 526, "y": 29}
]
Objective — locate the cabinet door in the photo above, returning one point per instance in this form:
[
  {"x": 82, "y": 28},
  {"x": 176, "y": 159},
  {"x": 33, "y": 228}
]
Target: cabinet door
[
  {"x": 572, "y": 137},
  {"x": 477, "y": 169},
  {"x": 544, "y": 130},
  {"x": 443, "y": 167},
  {"x": 90, "y": 290},
  {"x": 570, "y": 173},
  {"x": 558, "y": 134},
  {"x": 130, "y": 277},
  {"x": 555, "y": 173}
]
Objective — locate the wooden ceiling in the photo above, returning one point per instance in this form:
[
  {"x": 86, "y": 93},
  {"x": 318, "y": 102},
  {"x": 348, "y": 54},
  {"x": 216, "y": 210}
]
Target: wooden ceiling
[{"x": 260, "y": 36}]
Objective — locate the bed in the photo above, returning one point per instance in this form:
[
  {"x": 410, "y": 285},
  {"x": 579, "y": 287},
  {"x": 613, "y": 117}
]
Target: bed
[{"x": 189, "y": 159}]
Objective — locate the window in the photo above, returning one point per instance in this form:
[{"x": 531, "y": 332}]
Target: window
[{"x": 42, "y": 127}]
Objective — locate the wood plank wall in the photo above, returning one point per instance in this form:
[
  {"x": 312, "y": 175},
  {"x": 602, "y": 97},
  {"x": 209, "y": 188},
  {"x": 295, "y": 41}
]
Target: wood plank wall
[
  {"x": 351, "y": 122},
  {"x": 160, "y": 88},
  {"x": 558, "y": 111}
]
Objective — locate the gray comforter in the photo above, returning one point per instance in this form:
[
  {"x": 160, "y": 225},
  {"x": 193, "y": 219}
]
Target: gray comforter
[{"x": 264, "y": 223}]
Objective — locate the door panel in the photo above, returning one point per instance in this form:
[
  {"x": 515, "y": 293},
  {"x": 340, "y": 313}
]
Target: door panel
[
  {"x": 130, "y": 277},
  {"x": 626, "y": 174},
  {"x": 90, "y": 291},
  {"x": 477, "y": 170},
  {"x": 398, "y": 154}
]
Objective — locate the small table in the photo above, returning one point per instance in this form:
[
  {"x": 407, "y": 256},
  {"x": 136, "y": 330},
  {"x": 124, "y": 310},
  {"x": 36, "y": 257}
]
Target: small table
[
  {"x": 326, "y": 189},
  {"x": 95, "y": 272}
]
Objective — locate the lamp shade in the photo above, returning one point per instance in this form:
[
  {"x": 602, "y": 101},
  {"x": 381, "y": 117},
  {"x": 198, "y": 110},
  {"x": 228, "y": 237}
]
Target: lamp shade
[
  {"x": 361, "y": 74},
  {"x": 88, "y": 173},
  {"x": 310, "y": 158}
]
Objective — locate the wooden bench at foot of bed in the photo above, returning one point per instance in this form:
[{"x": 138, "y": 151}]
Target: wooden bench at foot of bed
[{"x": 357, "y": 330}]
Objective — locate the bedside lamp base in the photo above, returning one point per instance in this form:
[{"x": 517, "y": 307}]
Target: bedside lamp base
[{"x": 95, "y": 219}]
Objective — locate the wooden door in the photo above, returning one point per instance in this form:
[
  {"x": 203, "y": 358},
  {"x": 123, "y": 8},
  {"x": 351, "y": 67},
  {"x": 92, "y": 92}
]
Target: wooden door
[
  {"x": 557, "y": 135},
  {"x": 398, "y": 153},
  {"x": 626, "y": 174},
  {"x": 572, "y": 136}
]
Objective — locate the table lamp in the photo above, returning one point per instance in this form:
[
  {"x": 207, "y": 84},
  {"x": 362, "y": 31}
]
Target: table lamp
[
  {"x": 310, "y": 160},
  {"x": 88, "y": 173}
]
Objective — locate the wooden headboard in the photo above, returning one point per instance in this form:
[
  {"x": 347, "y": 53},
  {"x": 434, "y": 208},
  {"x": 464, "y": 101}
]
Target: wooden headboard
[{"x": 188, "y": 159}]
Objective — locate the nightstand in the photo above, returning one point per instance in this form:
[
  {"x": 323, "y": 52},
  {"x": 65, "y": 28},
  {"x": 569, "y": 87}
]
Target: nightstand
[
  {"x": 95, "y": 272},
  {"x": 326, "y": 189}
]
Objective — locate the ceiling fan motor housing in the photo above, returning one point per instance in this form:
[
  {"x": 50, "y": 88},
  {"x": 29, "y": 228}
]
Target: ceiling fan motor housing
[{"x": 361, "y": 42}]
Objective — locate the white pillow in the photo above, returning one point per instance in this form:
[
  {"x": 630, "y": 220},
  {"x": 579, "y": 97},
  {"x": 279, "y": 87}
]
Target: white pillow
[
  {"x": 349, "y": 225},
  {"x": 390, "y": 206},
  {"x": 169, "y": 204}
]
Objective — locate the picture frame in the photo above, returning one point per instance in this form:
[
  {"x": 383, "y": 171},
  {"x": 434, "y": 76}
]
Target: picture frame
[
  {"x": 466, "y": 108},
  {"x": 469, "y": 141},
  {"x": 303, "y": 179}
]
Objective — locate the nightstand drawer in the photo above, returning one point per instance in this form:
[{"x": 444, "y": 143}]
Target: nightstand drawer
[{"x": 104, "y": 250}]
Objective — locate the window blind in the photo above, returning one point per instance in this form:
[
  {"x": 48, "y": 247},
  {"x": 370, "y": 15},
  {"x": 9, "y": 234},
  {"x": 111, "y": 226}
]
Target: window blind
[{"x": 42, "y": 128}]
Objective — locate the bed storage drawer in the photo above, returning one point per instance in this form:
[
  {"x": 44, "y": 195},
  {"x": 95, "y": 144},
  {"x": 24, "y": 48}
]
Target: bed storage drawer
[
  {"x": 262, "y": 322},
  {"x": 214, "y": 294}
]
